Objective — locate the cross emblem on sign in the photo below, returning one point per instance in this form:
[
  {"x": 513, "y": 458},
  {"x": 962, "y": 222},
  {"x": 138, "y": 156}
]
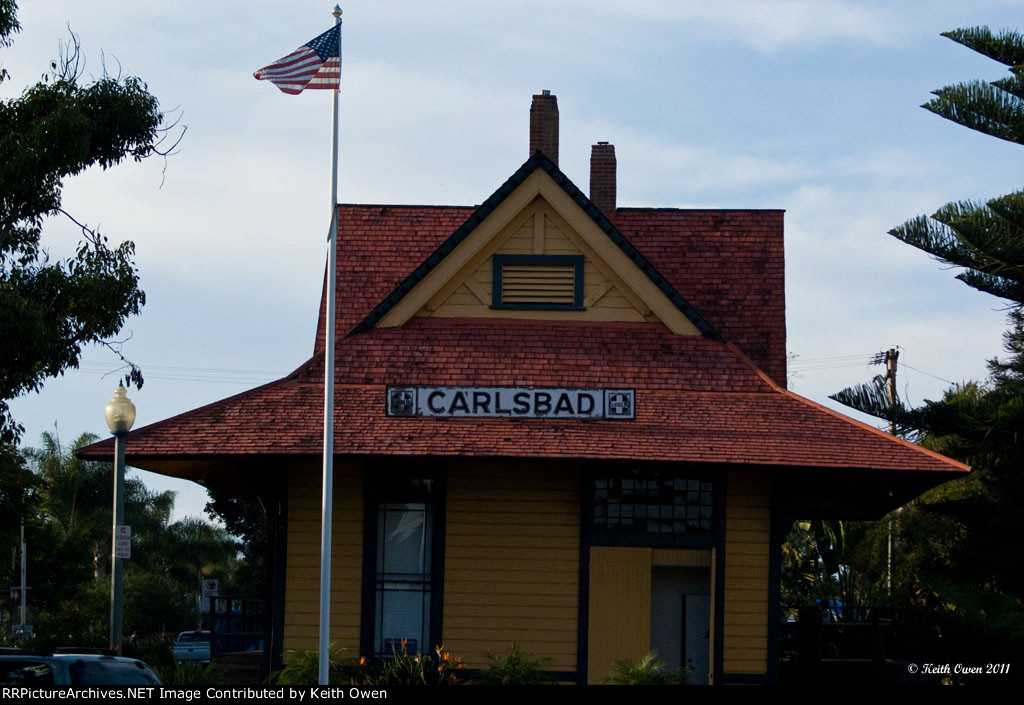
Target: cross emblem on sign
[
  {"x": 402, "y": 402},
  {"x": 619, "y": 404}
]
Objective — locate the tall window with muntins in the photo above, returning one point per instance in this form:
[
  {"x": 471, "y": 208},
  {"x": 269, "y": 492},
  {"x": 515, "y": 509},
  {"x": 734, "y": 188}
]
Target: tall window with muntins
[
  {"x": 403, "y": 576},
  {"x": 405, "y": 564},
  {"x": 538, "y": 282},
  {"x": 653, "y": 505}
]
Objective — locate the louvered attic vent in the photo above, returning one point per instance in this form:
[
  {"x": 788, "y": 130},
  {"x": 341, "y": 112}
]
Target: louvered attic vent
[{"x": 540, "y": 282}]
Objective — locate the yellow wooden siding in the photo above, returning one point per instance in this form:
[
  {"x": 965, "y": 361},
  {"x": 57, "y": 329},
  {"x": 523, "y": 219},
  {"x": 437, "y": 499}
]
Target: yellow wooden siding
[
  {"x": 747, "y": 551},
  {"x": 619, "y": 624},
  {"x": 511, "y": 569},
  {"x": 609, "y": 303},
  {"x": 302, "y": 576},
  {"x": 521, "y": 241},
  {"x": 681, "y": 557}
]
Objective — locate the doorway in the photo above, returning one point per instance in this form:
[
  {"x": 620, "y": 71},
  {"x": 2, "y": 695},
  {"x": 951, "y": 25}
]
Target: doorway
[{"x": 681, "y": 619}]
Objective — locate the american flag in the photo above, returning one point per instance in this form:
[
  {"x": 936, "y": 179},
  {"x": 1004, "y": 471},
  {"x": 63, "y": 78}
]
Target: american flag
[{"x": 316, "y": 64}]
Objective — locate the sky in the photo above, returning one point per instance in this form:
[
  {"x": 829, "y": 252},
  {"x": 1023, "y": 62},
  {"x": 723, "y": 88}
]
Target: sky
[{"x": 811, "y": 106}]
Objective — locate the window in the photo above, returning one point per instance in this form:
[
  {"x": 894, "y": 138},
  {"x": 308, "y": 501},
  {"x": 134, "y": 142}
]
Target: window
[
  {"x": 652, "y": 504},
  {"x": 402, "y": 604},
  {"x": 538, "y": 282},
  {"x": 401, "y": 564}
]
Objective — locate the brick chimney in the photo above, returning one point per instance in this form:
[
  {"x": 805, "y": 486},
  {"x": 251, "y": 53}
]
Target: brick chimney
[
  {"x": 602, "y": 178},
  {"x": 544, "y": 125}
]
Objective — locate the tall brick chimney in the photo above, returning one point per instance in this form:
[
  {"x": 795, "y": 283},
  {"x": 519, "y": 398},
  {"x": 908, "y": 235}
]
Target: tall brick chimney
[
  {"x": 602, "y": 178},
  {"x": 544, "y": 125}
]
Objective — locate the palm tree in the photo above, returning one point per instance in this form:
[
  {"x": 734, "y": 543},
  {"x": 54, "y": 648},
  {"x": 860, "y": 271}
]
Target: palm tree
[
  {"x": 72, "y": 530},
  {"x": 76, "y": 496}
]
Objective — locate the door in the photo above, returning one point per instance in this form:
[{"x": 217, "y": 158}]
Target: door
[{"x": 681, "y": 618}]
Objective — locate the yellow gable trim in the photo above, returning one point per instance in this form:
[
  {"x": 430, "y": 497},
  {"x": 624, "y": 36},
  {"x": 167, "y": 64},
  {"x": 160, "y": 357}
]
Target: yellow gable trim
[
  {"x": 537, "y": 229},
  {"x": 466, "y": 273},
  {"x": 450, "y": 266},
  {"x": 619, "y": 283},
  {"x": 539, "y": 198},
  {"x": 606, "y": 251}
]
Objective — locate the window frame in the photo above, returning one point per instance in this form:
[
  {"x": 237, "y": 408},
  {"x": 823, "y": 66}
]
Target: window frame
[
  {"x": 696, "y": 538},
  {"x": 499, "y": 261},
  {"x": 383, "y": 487}
]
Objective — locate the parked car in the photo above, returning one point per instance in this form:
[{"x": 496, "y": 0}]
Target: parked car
[
  {"x": 45, "y": 668},
  {"x": 192, "y": 646}
]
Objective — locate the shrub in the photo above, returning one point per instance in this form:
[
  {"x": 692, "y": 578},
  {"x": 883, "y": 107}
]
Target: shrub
[
  {"x": 419, "y": 669},
  {"x": 403, "y": 668},
  {"x": 514, "y": 667},
  {"x": 649, "y": 670},
  {"x": 303, "y": 668},
  {"x": 152, "y": 649}
]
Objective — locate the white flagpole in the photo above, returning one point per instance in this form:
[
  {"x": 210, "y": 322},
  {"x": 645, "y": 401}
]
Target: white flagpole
[{"x": 326, "y": 503}]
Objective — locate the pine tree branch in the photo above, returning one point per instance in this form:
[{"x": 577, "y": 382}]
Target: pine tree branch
[
  {"x": 1007, "y": 47},
  {"x": 983, "y": 107},
  {"x": 1014, "y": 85},
  {"x": 995, "y": 285},
  {"x": 940, "y": 241},
  {"x": 995, "y": 242},
  {"x": 871, "y": 398}
]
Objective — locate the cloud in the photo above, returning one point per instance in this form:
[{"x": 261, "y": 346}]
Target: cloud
[
  {"x": 767, "y": 25},
  {"x": 658, "y": 172}
]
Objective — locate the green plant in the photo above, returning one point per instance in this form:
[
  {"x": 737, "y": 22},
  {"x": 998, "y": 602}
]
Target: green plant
[
  {"x": 419, "y": 669},
  {"x": 153, "y": 650},
  {"x": 189, "y": 674},
  {"x": 514, "y": 667},
  {"x": 649, "y": 670},
  {"x": 303, "y": 668}
]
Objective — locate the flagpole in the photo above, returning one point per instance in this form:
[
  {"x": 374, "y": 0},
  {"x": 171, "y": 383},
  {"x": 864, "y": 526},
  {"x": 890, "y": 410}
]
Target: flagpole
[{"x": 328, "y": 483}]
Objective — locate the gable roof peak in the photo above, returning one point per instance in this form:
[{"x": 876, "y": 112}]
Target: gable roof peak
[{"x": 539, "y": 161}]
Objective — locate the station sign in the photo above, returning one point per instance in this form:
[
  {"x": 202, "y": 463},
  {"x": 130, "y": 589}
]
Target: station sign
[{"x": 511, "y": 402}]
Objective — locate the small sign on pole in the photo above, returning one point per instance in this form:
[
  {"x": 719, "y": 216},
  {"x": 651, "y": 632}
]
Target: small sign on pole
[
  {"x": 123, "y": 541},
  {"x": 210, "y": 588},
  {"x": 21, "y": 631}
]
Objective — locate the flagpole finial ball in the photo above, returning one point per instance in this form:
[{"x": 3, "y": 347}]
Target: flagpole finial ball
[{"x": 337, "y": 11}]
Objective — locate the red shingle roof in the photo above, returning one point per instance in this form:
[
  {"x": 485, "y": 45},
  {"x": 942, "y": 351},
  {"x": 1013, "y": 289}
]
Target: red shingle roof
[
  {"x": 377, "y": 247},
  {"x": 697, "y": 400},
  {"x": 728, "y": 264}
]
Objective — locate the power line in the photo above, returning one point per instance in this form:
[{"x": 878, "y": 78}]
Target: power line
[
  {"x": 186, "y": 369},
  {"x": 941, "y": 379},
  {"x": 836, "y": 357},
  {"x": 827, "y": 367},
  {"x": 188, "y": 374}
]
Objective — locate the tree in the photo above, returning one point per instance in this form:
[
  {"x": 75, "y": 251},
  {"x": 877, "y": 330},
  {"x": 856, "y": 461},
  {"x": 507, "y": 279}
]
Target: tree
[
  {"x": 247, "y": 520},
  {"x": 17, "y": 496},
  {"x": 986, "y": 239},
  {"x": 58, "y": 128},
  {"x": 954, "y": 538},
  {"x": 68, "y": 505}
]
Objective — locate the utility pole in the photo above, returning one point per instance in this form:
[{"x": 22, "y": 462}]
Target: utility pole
[
  {"x": 891, "y": 356},
  {"x": 24, "y": 587}
]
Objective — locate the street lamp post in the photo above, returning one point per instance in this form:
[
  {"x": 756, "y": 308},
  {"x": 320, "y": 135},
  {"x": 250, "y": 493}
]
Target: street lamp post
[{"x": 120, "y": 415}]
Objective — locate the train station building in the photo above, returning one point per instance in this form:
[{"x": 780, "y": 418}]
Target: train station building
[{"x": 559, "y": 422}]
